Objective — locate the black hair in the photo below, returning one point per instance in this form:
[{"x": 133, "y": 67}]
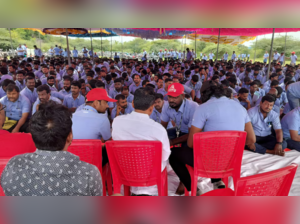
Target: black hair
[
  {"x": 215, "y": 77},
  {"x": 3, "y": 70},
  {"x": 273, "y": 75},
  {"x": 159, "y": 96},
  {"x": 232, "y": 80},
  {"x": 114, "y": 75},
  {"x": 145, "y": 81},
  {"x": 43, "y": 87},
  {"x": 93, "y": 83},
  {"x": 287, "y": 79},
  {"x": 120, "y": 97},
  {"x": 76, "y": 83},
  {"x": 187, "y": 72},
  {"x": 247, "y": 79},
  {"x": 150, "y": 85},
  {"x": 279, "y": 90},
  {"x": 118, "y": 80},
  {"x": 225, "y": 82},
  {"x": 274, "y": 83},
  {"x": 211, "y": 89},
  {"x": 11, "y": 87},
  {"x": 253, "y": 83},
  {"x": 29, "y": 78},
  {"x": 50, "y": 77},
  {"x": 143, "y": 98},
  {"x": 108, "y": 78},
  {"x": 50, "y": 126},
  {"x": 228, "y": 93},
  {"x": 6, "y": 82},
  {"x": 21, "y": 72},
  {"x": 99, "y": 83},
  {"x": 90, "y": 74},
  {"x": 268, "y": 97},
  {"x": 195, "y": 78},
  {"x": 243, "y": 90},
  {"x": 124, "y": 75}
]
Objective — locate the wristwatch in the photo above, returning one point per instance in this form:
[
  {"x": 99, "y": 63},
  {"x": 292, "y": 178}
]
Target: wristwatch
[{"x": 278, "y": 143}]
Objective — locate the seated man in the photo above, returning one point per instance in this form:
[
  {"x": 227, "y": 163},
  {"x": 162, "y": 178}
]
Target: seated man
[
  {"x": 51, "y": 170},
  {"x": 263, "y": 118},
  {"x": 217, "y": 113},
  {"x": 17, "y": 108},
  {"x": 291, "y": 129},
  {"x": 293, "y": 95},
  {"x": 74, "y": 100},
  {"x": 122, "y": 107},
  {"x": 181, "y": 111},
  {"x": 138, "y": 126},
  {"x": 243, "y": 98}
]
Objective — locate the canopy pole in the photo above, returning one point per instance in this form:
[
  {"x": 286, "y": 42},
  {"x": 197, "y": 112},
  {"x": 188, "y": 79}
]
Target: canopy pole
[
  {"x": 255, "y": 49},
  {"x": 270, "y": 55},
  {"x": 101, "y": 43},
  {"x": 10, "y": 39},
  {"x": 181, "y": 43},
  {"x": 111, "y": 47},
  {"x": 195, "y": 45},
  {"x": 122, "y": 46},
  {"x": 218, "y": 45},
  {"x": 284, "y": 48},
  {"x": 68, "y": 48},
  {"x": 92, "y": 45}
]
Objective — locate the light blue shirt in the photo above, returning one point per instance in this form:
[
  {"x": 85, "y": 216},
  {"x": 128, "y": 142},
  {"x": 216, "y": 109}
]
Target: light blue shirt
[
  {"x": 38, "y": 52},
  {"x": 64, "y": 92},
  {"x": 14, "y": 110},
  {"x": 184, "y": 115},
  {"x": 113, "y": 93},
  {"x": 262, "y": 126},
  {"x": 196, "y": 87},
  {"x": 38, "y": 101},
  {"x": 75, "y": 53},
  {"x": 2, "y": 92},
  {"x": 31, "y": 95},
  {"x": 286, "y": 109},
  {"x": 294, "y": 89},
  {"x": 89, "y": 124},
  {"x": 85, "y": 52},
  {"x": 129, "y": 82},
  {"x": 57, "y": 50},
  {"x": 128, "y": 110},
  {"x": 163, "y": 92},
  {"x": 156, "y": 116},
  {"x": 108, "y": 85},
  {"x": 130, "y": 98},
  {"x": 70, "y": 102},
  {"x": 291, "y": 121},
  {"x": 221, "y": 114},
  {"x": 57, "y": 95},
  {"x": 133, "y": 87}
]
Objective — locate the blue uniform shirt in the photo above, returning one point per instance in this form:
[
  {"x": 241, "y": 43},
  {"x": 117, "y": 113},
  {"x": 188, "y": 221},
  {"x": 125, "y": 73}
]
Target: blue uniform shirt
[
  {"x": 20, "y": 85},
  {"x": 262, "y": 126},
  {"x": 70, "y": 102},
  {"x": 113, "y": 93},
  {"x": 14, "y": 110},
  {"x": 184, "y": 115},
  {"x": 38, "y": 101},
  {"x": 2, "y": 92},
  {"x": 156, "y": 116},
  {"x": 133, "y": 87},
  {"x": 64, "y": 92},
  {"x": 291, "y": 121},
  {"x": 31, "y": 95},
  {"x": 196, "y": 87},
  {"x": 128, "y": 110},
  {"x": 75, "y": 53},
  {"x": 89, "y": 124},
  {"x": 163, "y": 92},
  {"x": 221, "y": 114},
  {"x": 130, "y": 98}
]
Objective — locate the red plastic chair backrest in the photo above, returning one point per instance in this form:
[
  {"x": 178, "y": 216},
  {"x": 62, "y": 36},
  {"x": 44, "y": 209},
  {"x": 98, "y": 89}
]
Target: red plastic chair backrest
[
  {"x": 218, "y": 154},
  {"x": 13, "y": 144},
  {"x": 89, "y": 151},
  {"x": 273, "y": 183},
  {"x": 135, "y": 163}
]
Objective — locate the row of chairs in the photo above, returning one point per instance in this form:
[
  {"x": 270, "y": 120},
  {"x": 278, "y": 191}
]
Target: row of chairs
[{"x": 138, "y": 163}]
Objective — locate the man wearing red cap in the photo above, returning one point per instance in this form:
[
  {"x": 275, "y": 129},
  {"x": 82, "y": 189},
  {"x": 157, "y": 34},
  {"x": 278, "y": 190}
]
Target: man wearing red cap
[
  {"x": 179, "y": 110},
  {"x": 293, "y": 58},
  {"x": 91, "y": 122}
]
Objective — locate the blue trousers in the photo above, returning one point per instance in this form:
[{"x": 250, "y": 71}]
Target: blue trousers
[
  {"x": 267, "y": 142},
  {"x": 291, "y": 144}
]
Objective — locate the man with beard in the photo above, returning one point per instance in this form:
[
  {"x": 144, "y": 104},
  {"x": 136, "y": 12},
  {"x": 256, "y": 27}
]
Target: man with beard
[
  {"x": 122, "y": 107},
  {"x": 137, "y": 83},
  {"x": 74, "y": 100},
  {"x": 44, "y": 95},
  {"x": 263, "y": 119},
  {"x": 67, "y": 86},
  {"x": 20, "y": 82},
  {"x": 181, "y": 111},
  {"x": 17, "y": 108},
  {"x": 158, "y": 105},
  {"x": 164, "y": 90},
  {"x": 117, "y": 88},
  {"x": 30, "y": 91},
  {"x": 51, "y": 83},
  {"x": 127, "y": 94}
]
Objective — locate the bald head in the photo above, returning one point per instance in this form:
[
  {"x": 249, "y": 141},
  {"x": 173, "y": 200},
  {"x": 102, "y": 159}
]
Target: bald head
[{"x": 273, "y": 91}]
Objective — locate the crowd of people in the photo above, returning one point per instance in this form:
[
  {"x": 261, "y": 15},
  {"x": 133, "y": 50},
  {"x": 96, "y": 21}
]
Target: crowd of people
[{"x": 168, "y": 100}]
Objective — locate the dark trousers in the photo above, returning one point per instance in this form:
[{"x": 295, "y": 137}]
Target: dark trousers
[
  {"x": 267, "y": 142},
  {"x": 104, "y": 156},
  {"x": 172, "y": 135},
  {"x": 291, "y": 144},
  {"x": 178, "y": 159},
  {"x": 23, "y": 128}
]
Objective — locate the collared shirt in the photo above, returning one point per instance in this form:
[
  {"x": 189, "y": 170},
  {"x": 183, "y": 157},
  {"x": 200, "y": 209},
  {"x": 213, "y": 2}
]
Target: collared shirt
[
  {"x": 20, "y": 51},
  {"x": 89, "y": 124},
  {"x": 85, "y": 51},
  {"x": 262, "y": 126},
  {"x": 2, "y": 92},
  {"x": 31, "y": 95},
  {"x": 253, "y": 99},
  {"x": 64, "y": 92},
  {"x": 189, "y": 55},
  {"x": 108, "y": 85},
  {"x": 71, "y": 103},
  {"x": 221, "y": 114},
  {"x": 294, "y": 89},
  {"x": 291, "y": 121},
  {"x": 225, "y": 56},
  {"x": 276, "y": 56},
  {"x": 75, "y": 53},
  {"x": 163, "y": 92},
  {"x": 57, "y": 50},
  {"x": 211, "y": 56},
  {"x": 130, "y": 98},
  {"x": 50, "y": 173},
  {"x": 138, "y": 126},
  {"x": 38, "y": 101},
  {"x": 293, "y": 58},
  {"x": 14, "y": 110},
  {"x": 128, "y": 110},
  {"x": 38, "y": 74},
  {"x": 233, "y": 56},
  {"x": 51, "y": 52},
  {"x": 266, "y": 56},
  {"x": 133, "y": 87},
  {"x": 38, "y": 52},
  {"x": 196, "y": 87},
  {"x": 182, "y": 118},
  {"x": 113, "y": 93},
  {"x": 128, "y": 82}
]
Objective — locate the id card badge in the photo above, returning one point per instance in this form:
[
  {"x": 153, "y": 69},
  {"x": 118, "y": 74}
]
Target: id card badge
[{"x": 177, "y": 133}]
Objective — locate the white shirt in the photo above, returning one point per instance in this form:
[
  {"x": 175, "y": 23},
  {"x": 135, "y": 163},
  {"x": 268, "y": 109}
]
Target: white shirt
[
  {"x": 211, "y": 55},
  {"x": 51, "y": 52},
  {"x": 179, "y": 55},
  {"x": 293, "y": 58},
  {"x": 266, "y": 55},
  {"x": 233, "y": 56},
  {"x": 281, "y": 58},
  {"x": 160, "y": 54},
  {"x": 276, "y": 56},
  {"x": 144, "y": 53},
  {"x": 20, "y": 51},
  {"x": 225, "y": 56},
  {"x": 138, "y": 126}
]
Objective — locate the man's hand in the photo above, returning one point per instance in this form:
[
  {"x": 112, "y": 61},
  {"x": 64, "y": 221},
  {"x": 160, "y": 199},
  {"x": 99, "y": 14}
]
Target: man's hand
[
  {"x": 119, "y": 109},
  {"x": 278, "y": 150},
  {"x": 37, "y": 107},
  {"x": 15, "y": 130},
  {"x": 73, "y": 109},
  {"x": 252, "y": 147}
]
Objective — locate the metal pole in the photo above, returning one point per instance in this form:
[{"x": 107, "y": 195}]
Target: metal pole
[
  {"x": 284, "y": 48},
  {"x": 101, "y": 43},
  {"x": 92, "y": 45},
  {"x": 255, "y": 49},
  {"x": 68, "y": 48},
  {"x": 10, "y": 39},
  {"x": 195, "y": 45},
  {"x": 122, "y": 45},
  {"x": 111, "y": 47},
  {"x": 218, "y": 45},
  {"x": 270, "y": 55}
]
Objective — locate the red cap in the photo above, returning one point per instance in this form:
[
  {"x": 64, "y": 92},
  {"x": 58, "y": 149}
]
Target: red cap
[
  {"x": 293, "y": 52},
  {"x": 175, "y": 89},
  {"x": 98, "y": 94}
]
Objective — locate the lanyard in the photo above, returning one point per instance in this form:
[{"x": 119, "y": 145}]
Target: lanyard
[{"x": 179, "y": 126}]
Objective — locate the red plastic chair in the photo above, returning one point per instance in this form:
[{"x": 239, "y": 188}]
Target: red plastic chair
[
  {"x": 273, "y": 183},
  {"x": 217, "y": 154},
  {"x": 90, "y": 151},
  {"x": 137, "y": 164},
  {"x": 12, "y": 145}
]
